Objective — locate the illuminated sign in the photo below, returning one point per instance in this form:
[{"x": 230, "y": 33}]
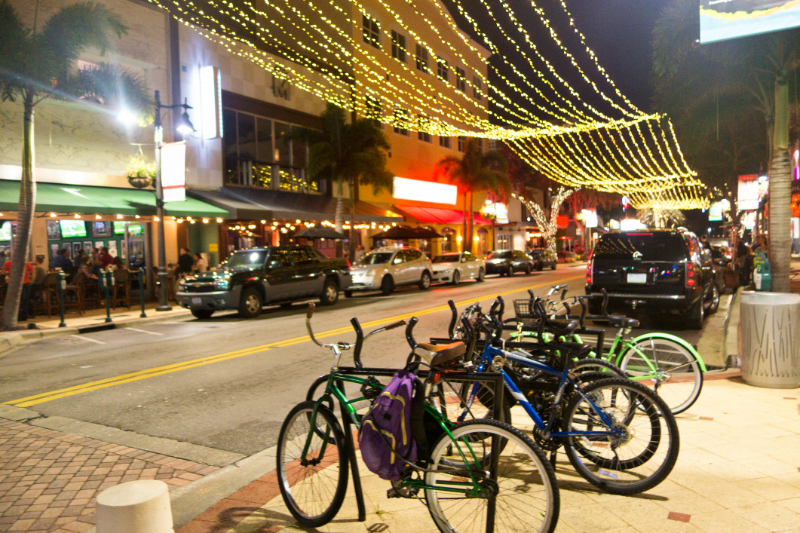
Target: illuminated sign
[
  {"x": 210, "y": 103},
  {"x": 589, "y": 217},
  {"x": 424, "y": 191},
  {"x": 631, "y": 224},
  {"x": 728, "y": 19},
  {"x": 497, "y": 211},
  {"x": 173, "y": 171}
]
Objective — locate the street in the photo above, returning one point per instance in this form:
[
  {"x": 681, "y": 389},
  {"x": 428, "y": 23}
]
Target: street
[{"x": 227, "y": 383}]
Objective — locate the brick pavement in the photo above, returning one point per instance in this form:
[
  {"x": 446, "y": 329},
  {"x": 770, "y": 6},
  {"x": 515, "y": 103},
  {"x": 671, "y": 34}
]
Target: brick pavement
[{"x": 49, "y": 480}]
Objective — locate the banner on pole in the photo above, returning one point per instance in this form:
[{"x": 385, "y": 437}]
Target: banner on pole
[{"x": 173, "y": 171}]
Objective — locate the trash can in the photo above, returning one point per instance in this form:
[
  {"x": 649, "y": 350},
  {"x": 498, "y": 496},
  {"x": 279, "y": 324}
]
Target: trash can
[{"x": 770, "y": 323}]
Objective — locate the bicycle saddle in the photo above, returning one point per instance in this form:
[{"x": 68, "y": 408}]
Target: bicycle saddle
[
  {"x": 562, "y": 327},
  {"x": 438, "y": 354},
  {"x": 623, "y": 321}
]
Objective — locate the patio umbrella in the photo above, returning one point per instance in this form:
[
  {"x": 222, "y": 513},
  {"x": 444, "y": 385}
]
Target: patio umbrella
[
  {"x": 319, "y": 232},
  {"x": 424, "y": 233}
]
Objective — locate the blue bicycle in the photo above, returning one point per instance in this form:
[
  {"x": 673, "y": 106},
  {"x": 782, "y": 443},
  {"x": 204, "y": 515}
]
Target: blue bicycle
[{"x": 618, "y": 434}]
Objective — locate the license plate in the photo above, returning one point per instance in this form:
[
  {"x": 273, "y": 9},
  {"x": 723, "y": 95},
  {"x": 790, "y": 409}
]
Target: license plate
[
  {"x": 197, "y": 301},
  {"x": 637, "y": 278}
]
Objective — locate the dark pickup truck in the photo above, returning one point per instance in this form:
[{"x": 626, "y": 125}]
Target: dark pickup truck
[
  {"x": 655, "y": 270},
  {"x": 249, "y": 279}
]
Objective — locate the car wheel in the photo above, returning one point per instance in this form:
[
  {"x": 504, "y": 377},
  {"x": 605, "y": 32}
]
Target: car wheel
[
  {"x": 348, "y": 294},
  {"x": 554, "y": 266},
  {"x": 330, "y": 293},
  {"x": 425, "y": 281},
  {"x": 510, "y": 271},
  {"x": 528, "y": 269},
  {"x": 387, "y": 285},
  {"x": 696, "y": 315},
  {"x": 714, "y": 303},
  {"x": 540, "y": 266},
  {"x": 456, "y": 277},
  {"x": 251, "y": 303},
  {"x": 481, "y": 274},
  {"x": 202, "y": 313}
]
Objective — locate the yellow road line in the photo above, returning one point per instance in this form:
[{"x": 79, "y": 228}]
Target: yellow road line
[{"x": 202, "y": 361}]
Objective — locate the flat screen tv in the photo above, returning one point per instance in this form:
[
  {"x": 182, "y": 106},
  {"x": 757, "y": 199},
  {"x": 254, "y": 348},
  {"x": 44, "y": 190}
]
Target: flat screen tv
[
  {"x": 119, "y": 228},
  {"x": 5, "y": 230},
  {"x": 135, "y": 229},
  {"x": 72, "y": 228}
]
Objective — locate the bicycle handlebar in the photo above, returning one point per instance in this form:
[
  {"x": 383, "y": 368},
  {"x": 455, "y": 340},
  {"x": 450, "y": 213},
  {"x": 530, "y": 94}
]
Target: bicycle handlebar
[
  {"x": 451, "y": 329},
  {"x": 409, "y": 332}
]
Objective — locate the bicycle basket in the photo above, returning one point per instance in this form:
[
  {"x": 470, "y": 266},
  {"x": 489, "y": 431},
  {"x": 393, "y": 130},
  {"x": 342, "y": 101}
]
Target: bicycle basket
[{"x": 522, "y": 308}]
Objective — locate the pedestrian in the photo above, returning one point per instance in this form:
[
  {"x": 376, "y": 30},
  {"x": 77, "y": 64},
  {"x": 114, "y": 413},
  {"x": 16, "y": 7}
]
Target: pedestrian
[
  {"x": 5, "y": 257},
  {"x": 200, "y": 264},
  {"x": 359, "y": 253},
  {"x": 704, "y": 242},
  {"x": 105, "y": 258},
  {"x": 61, "y": 262},
  {"x": 77, "y": 261},
  {"x": 185, "y": 262},
  {"x": 25, "y": 297},
  {"x": 39, "y": 276}
]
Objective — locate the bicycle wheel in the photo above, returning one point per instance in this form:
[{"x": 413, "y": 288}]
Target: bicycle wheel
[
  {"x": 676, "y": 375},
  {"x": 481, "y": 408},
  {"x": 591, "y": 369},
  {"x": 525, "y": 492},
  {"x": 313, "y": 486},
  {"x": 637, "y": 459}
]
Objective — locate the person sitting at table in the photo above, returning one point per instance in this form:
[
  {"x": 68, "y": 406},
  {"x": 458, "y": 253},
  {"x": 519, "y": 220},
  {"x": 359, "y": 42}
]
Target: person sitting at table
[
  {"x": 25, "y": 296},
  {"x": 105, "y": 258},
  {"x": 117, "y": 264},
  {"x": 86, "y": 268},
  {"x": 62, "y": 262}
]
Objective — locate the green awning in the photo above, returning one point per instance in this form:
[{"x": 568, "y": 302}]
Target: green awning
[{"x": 62, "y": 198}]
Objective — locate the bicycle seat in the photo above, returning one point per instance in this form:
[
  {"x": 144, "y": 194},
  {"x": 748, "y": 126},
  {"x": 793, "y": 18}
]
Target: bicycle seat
[
  {"x": 623, "y": 321},
  {"x": 438, "y": 354},
  {"x": 562, "y": 327}
]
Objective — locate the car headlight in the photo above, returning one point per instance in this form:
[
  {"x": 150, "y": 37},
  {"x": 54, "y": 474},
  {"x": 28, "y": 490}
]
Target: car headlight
[{"x": 221, "y": 284}]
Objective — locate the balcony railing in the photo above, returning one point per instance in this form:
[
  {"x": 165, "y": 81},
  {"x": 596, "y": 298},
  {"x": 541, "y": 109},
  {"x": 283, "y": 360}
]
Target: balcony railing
[{"x": 268, "y": 175}]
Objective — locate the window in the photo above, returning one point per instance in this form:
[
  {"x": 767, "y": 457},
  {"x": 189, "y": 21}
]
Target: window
[
  {"x": 476, "y": 87},
  {"x": 400, "y": 121},
  {"x": 374, "y": 108},
  {"x": 462, "y": 143},
  {"x": 422, "y": 59},
  {"x": 398, "y": 46},
  {"x": 372, "y": 32},
  {"x": 444, "y": 141},
  {"x": 422, "y": 123},
  {"x": 461, "y": 80},
  {"x": 442, "y": 70},
  {"x": 492, "y": 145}
]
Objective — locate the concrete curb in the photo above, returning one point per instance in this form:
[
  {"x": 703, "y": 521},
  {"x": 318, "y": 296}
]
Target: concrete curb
[
  {"x": 13, "y": 339},
  {"x": 730, "y": 338},
  {"x": 711, "y": 343}
]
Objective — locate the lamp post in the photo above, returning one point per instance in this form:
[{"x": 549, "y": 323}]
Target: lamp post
[{"x": 184, "y": 126}]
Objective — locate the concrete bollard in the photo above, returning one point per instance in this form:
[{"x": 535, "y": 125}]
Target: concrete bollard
[{"x": 135, "y": 507}]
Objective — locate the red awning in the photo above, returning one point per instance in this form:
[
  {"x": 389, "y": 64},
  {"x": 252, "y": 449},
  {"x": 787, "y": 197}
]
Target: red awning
[{"x": 432, "y": 215}]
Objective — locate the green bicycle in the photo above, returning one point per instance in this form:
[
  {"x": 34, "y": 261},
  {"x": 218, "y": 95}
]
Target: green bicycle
[{"x": 466, "y": 487}]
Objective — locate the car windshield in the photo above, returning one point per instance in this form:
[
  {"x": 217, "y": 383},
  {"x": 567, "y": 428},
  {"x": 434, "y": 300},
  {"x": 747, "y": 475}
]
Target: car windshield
[
  {"x": 447, "y": 258},
  {"x": 501, "y": 255},
  {"x": 647, "y": 246},
  {"x": 246, "y": 259},
  {"x": 376, "y": 258}
]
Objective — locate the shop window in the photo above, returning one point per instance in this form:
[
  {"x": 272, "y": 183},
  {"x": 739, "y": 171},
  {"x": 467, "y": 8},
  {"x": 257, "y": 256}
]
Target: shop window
[
  {"x": 371, "y": 31},
  {"x": 399, "y": 46},
  {"x": 448, "y": 240}
]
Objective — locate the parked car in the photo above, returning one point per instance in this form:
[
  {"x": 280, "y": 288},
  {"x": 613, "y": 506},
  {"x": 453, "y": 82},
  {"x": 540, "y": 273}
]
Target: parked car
[
  {"x": 249, "y": 279},
  {"x": 386, "y": 268},
  {"x": 456, "y": 266},
  {"x": 543, "y": 258},
  {"x": 507, "y": 262},
  {"x": 654, "y": 270}
]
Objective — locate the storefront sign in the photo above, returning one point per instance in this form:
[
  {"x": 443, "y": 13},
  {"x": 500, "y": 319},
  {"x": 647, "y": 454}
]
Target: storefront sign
[
  {"x": 424, "y": 191},
  {"x": 589, "y": 217},
  {"x": 498, "y": 211},
  {"x": 210, "y": 103},
  {"x": 173, "y": 171}
]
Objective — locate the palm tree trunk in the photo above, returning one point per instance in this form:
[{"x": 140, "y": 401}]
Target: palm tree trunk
[
  {"x": 27, "y": 201},
  {"x": 780, "y": 241},
  {"x": 464, "y": 228},
  {"x": 351, "y": 253},
  {"x": 339, "y": 215},
  {"x": 471, "y": 223}
]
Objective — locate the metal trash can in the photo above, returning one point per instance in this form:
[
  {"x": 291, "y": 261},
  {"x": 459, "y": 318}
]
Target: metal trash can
[{"x": 770, "y": 347}]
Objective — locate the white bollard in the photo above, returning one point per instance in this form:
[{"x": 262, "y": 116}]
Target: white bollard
[{"x": 135, "y": 507}]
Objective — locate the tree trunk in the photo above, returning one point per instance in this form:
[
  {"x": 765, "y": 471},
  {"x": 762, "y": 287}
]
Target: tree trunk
[
  {"x": 780, "y": 185},
  {"x": 27, "y": 202},
  {"x": 471, "y": 222},
  {"x": 351, "y": 254},
  {"x": 339, "y": 215},
  {"x": 464, "y": 228}
]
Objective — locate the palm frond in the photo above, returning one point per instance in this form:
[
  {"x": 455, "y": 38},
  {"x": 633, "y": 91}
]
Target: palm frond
[
  {"x": 76, "y": 27},
  {"x": 14, "y": 43},
  {"x": 109, "y": 84}
]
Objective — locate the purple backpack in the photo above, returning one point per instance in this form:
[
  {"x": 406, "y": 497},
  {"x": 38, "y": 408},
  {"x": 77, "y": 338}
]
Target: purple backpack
[{"x": 385, "y": 437}]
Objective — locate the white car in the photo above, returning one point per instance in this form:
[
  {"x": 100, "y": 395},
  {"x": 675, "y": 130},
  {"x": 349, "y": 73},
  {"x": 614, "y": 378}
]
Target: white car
[
  {"x": 457, "y": 266},
  {"x": 386, "y": 268}
]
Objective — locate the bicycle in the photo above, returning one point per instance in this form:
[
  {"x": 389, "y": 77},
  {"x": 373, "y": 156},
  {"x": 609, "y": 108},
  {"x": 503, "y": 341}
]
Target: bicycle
[
  {"x": 664, "y": 362},
  {"x": 456, "y": 463},
  {"x": 617, "y": 434}
]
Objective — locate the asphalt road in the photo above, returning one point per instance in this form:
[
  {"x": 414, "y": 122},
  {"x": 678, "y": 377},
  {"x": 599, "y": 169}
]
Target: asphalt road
[{"x": 228, "y": 383}]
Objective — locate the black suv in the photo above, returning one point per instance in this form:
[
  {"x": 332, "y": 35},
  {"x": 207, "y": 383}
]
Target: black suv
[
  {"x": 543, "y": 258},
  {"x": 658, "y": 270},
  {"x": 506, "y": 262},
  {"x": 248, "y": 279}
]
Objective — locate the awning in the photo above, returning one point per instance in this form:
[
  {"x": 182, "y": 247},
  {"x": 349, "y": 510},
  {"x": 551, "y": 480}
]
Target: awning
[
  {"x": 256, "y": 204},
  {"x": 63, "y": 198},
  {"x": 432, "y": 215}
]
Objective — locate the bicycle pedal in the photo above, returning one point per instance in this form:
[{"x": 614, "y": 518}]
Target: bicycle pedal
[{"x": 393, "y": 493}]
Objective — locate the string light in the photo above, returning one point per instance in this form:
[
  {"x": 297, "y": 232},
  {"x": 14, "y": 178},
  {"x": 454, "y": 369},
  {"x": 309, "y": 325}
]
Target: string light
[{"x": 550, "y": 227}]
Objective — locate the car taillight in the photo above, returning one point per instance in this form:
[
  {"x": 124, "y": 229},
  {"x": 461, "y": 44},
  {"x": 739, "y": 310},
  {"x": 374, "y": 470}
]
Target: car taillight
[
  {"x": 690, "y": 274},
  {"x": 590, "y": 269}
]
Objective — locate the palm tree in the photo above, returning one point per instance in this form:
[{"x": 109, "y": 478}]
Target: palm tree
[
  {"x": 37, "y": 64},
  {"x": 751, "y": 75},
  {"x": 352, "y": 153},
  {"x": 475, "y": 172},
  {"x": 661, "y": 218}
]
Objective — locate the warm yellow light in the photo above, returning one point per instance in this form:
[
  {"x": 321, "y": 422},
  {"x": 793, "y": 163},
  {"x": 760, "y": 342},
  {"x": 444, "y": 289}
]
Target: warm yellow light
[
  {"x": 475, "y": 238},
  {"x": 458, "y": 238},
  {"x": 119, "y": 216},
  {"x": 263, "y": 221},
  {"x": 137, "y": 216},
  {"x": 179, "y": 221},
  {"x": 52, "y": 214},
  {"x": 98, "y": 217},
  {"x": 77, "y": 215},
  {"x": 205, "y": 221},
  {"x": 155, "y": 219}
]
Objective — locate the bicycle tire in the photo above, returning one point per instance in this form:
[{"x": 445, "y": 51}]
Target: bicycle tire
[
  {"x": 517, "y": 494},
  {"x": 650, "y": 423},
  {"x": 598, "y": 367},
  {"x": 306, "y": 488},
  {"x": 679, "y": 390}
]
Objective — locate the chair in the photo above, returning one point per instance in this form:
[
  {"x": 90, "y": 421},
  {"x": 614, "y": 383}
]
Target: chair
[
  {"x": 78, "y": 290},
  {"x": 122, "y": 288},
  {"x": 46, "y": 300},
  {"x": 172, "y": 283},
  {"x": 92, "y": 295}
]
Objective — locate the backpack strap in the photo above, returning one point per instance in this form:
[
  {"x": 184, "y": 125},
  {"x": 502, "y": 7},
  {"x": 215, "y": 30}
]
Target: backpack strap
[{"x": 417, "y": 417}]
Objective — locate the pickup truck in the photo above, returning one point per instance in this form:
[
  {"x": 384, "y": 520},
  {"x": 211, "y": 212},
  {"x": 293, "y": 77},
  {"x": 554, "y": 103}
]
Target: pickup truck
[{"x": 250, "y": 279}]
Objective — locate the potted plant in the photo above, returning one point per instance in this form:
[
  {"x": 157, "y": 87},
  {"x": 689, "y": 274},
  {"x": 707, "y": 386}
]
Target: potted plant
[{"x": 140, "y": 172}]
